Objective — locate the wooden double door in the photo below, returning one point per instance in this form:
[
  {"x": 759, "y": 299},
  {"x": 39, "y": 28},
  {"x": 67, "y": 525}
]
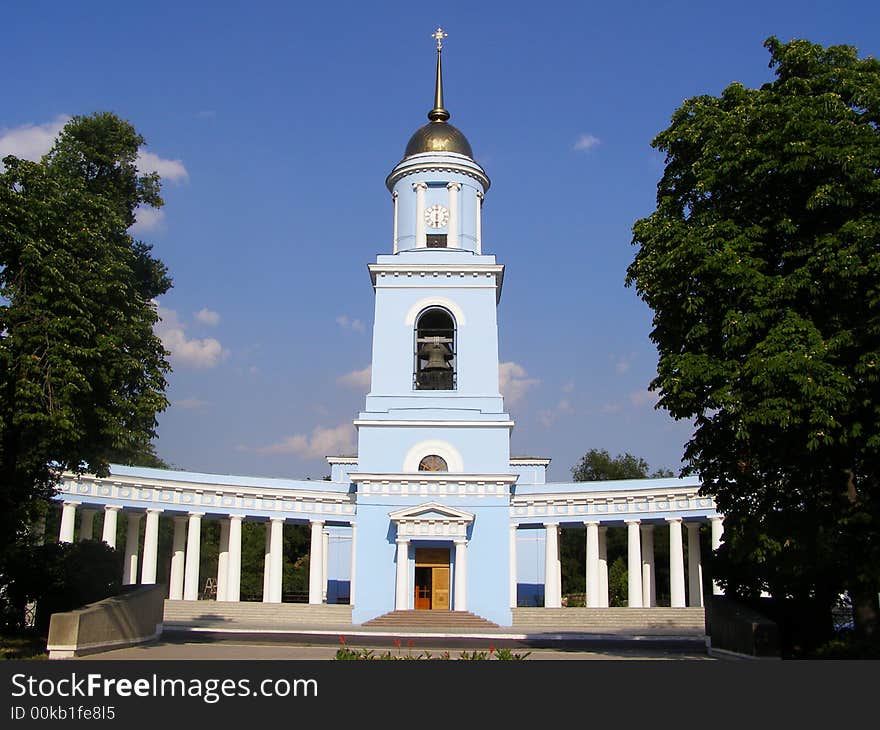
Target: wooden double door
[{"x": 432, "y": 579}]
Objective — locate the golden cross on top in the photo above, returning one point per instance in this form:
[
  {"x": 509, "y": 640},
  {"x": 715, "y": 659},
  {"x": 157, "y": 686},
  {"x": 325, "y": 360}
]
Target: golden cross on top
[{"x": 439, "y": 35}]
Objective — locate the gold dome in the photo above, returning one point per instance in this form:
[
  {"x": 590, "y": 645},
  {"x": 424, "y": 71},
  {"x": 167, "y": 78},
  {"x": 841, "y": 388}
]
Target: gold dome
[{"x": 438, "y": 136}]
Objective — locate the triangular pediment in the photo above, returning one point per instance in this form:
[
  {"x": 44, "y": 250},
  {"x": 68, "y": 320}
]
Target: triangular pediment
[{"x": 431, "y": 511}]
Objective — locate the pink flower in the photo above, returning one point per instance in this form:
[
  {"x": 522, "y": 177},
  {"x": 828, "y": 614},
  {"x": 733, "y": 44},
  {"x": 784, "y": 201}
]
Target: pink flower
[
  {"x": 397, "y": 643},
  {"x": 341, "y": 639},
  {"x": 491, "y": 648},
  {"x": 410, "y": 643}
]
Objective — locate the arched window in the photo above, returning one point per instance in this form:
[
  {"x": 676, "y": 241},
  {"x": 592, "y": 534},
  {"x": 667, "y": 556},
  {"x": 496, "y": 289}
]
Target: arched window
[
  {"x": 435, "y": 363},
  {"x": 433, "y": 463}
]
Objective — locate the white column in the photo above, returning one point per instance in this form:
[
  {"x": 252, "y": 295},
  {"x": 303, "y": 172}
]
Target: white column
[
  {"x": 130, "y": 566},
  {"x": 603, "y": 567},
  {"x": 316, "y": 562},
  {"x": 108, "y": 533},
  {"x": 676, "y": 563},
  {"x": 325, "y": 552},
  {"x": 267, "y": 565},
  {"x": 695, "y": 567},
  {"x": 178, "y": 559},
  {"x": 86, "y": 524},
  {"x": 353, "y": 573},
  {"x": 479, "y": 228},
  {"x": 193, "y": 548},
  {"x": 68, "y": 520},
  {"x": 552, "y": 589},
  {"x": 513, "y": 577},
  {"x": 454, "y": 224},
  {"x": 634, "y": 564},
  {"x": 421, "y": 233},
  {"x": 460, "y": 575},
  {"x": 401, "y": 592},
  {"x": 717, "y": 523},
  {"x": 233, "y": 577},
  {"x": 394, "y": 201},
  {"x": 649, "y": 587},
  {"x": 277, "y": 541},
  {"x": 592, "y": 576},
  {"x": 151, "y": 547},
  {"x": 223, "y": 560}
]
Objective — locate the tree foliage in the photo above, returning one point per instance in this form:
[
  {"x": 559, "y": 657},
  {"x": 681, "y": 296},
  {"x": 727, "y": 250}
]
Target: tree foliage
[
  {"x": 598, "y": 465},
  {"x": 82, "y": 374},
  {"x": 762, "y": 265}
]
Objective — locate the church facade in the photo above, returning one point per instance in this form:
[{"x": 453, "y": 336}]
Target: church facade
[{"x": 432, "y": 513}]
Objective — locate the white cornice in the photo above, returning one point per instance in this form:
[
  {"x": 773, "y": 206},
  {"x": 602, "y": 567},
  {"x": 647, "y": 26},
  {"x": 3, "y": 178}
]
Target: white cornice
[
  {"x": 432, "y": 477},
  {"x": 402, "y": 272},
  {"x": 434, "y": 424},
  {"x": 528, "y": 461}
]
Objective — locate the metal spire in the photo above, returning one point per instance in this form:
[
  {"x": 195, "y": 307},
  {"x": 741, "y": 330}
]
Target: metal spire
[{"x": 438, "y": 113}]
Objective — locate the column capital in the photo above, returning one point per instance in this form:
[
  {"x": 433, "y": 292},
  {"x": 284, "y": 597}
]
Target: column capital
[
  {"x": 460, "y": 541},
  {"x": 74, "y": 502},
  {"x": 402, "y": 541},
  {"x": 155, "y": 510},
  {"x": 453, "y": 186},
  {"x": 277, "y": 518},
  {"x": 480, "y": 196},
  {"x": 716, "y": 518},
  {"x": 420, "y": 186},
  {"x": 112, "y": 507},
  {"x": 592, "y": 522},
  {"x": 394, "y": 195},
  {"x": 632, "y": 522},
  {"x": 236, "y": 517},
  {"x": 673, "y": 519},
  {"x": 317, "y": 522},
  {"x": 195, "y": 514}
]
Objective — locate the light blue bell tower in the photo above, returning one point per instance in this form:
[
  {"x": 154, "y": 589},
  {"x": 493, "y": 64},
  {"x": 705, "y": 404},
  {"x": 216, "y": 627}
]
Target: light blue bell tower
[{"x": 433, "y": 466}]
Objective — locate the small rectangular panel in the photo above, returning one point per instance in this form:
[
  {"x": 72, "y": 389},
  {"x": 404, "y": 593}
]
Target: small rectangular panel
[
  {"x": 430, "y": 557},
  {"x": 440, "y": 585}
]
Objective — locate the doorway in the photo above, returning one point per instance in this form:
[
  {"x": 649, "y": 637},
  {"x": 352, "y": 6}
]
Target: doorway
[{"x": 432, "y": 579}]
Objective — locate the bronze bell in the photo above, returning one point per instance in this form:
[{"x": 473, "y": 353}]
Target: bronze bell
[{"x": 437, "y": 354}]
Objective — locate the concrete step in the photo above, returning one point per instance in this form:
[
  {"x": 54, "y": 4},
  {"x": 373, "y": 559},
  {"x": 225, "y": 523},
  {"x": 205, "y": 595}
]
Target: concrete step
[
  {"x": 660, "y": 620},
  {"x": 428, "y": 620},
  {"x": 271, "y": 615}
]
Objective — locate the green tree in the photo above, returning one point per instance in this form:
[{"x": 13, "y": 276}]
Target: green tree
[
  {"x": 82, "y": 374},
  {"x": 761, "y": 264},
  {"x": 598, "y": 465}
]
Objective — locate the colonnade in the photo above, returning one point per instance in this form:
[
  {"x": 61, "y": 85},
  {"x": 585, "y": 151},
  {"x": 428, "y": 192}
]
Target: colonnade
[
  {"x": 186, "y": 551},
  {"x": 641, "y": 581}
]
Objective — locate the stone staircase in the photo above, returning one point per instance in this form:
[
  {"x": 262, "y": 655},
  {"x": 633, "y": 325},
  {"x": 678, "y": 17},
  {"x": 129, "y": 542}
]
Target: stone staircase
[
  {"x": 254, "y": 616},
  {"x": 428, "y": 621},
  {"x": 658, "y": 621}
]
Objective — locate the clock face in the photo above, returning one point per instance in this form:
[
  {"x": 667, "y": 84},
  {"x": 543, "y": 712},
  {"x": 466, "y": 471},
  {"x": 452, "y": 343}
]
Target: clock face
[{"x": 436, "y": 216}]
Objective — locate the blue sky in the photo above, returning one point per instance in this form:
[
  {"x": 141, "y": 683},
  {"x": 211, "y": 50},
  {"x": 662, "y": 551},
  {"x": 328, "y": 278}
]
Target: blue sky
[{"x": 275, "y": 124}]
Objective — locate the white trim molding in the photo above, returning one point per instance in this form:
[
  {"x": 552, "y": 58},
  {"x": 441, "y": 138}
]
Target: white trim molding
[
  {"x": 431, "y": 520},
  {"x": 443, "y": 449},
  {"x": 434, "y": 484}
]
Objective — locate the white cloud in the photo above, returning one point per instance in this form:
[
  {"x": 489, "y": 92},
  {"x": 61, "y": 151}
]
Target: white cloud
[
  {"x": 640, "y": 398},
  {"x": 586, "y": 142},
  {"x": 513, "y": 380},
  {"x": 173, "y": 170},
  {"x": 147, "y": 219},
  {"x": 622, "y": 365},
  {"x": 322, "y": 442},
  {"x": 356, "y": 379},
  {"x": 610, "y": 409},
  {"x": 194, "y": 353},
  {"x": 31, "y": 141},
  {"x": 208, "y": 317},
  {"x": 548, "y": 418},
  {"x": 190, "y": 404},
  {"x": 347, "y": 323}
]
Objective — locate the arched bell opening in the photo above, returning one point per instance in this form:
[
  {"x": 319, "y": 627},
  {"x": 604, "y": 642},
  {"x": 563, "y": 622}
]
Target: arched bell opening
[
  {"x": 432, "y": 462},
  {"x": 435, "y": 361}
]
